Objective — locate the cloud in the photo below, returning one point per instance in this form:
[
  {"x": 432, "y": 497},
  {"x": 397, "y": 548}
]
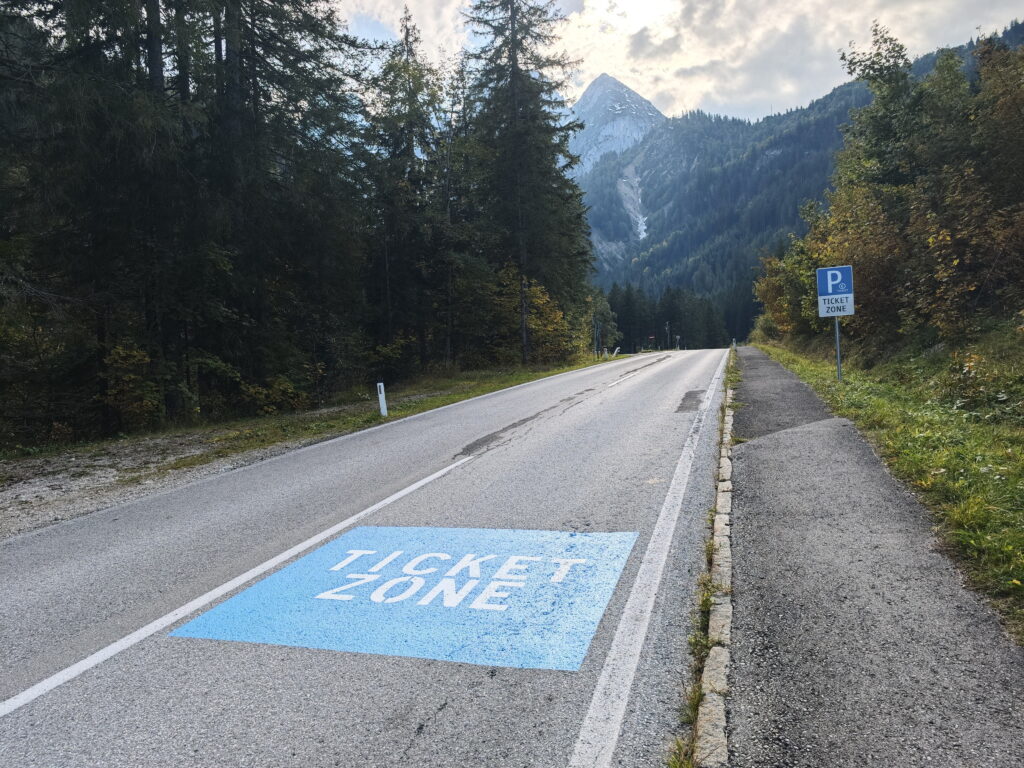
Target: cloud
[
  {"x": 440, "y": 21},
  {"x": 787, "y": 68},
  {"x": 701, "y": 70},
  {"x": 751, "y": 57},
  {"x": 739, "y": 57},
  {"x": 643, "y": 46}
]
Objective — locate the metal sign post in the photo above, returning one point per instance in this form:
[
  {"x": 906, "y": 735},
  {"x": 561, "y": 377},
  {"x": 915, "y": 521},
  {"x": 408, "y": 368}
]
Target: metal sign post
[
  {"x": 839, "y": 356},
  {"x": 835, "y": 299}
]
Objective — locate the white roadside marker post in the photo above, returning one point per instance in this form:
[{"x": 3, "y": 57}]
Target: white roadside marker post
[{"x": 382, "y": 399}]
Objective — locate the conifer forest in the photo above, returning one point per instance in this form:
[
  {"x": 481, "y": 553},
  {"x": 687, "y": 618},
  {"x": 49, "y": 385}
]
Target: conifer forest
[{"x": 214, "y": 208}]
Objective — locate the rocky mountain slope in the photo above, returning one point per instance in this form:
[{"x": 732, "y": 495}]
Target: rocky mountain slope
[
  {"x": 697, "y": 199},
  {"x": 616, "y": 119}
]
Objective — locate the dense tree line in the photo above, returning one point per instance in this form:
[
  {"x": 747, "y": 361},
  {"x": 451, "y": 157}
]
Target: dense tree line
[
  {"x": 220, "y": 207},
  {"x": 676, "y": 318},
  {"x": 928, "y": 204}
]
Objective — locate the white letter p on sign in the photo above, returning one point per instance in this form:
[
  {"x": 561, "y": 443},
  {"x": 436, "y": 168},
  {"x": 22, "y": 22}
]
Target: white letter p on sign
[{"x": 833, "y": 276}]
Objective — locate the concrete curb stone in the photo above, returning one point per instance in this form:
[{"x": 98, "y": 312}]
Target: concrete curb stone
[{"x": 711, "y": 744}]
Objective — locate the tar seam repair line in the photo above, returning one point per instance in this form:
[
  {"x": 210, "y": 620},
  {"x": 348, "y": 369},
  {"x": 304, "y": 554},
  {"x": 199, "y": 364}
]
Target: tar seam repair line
[
  {"x": 625, "y": 376},
  {"x": 599, "y": 732},
  {"x": 70, "y": 673}
]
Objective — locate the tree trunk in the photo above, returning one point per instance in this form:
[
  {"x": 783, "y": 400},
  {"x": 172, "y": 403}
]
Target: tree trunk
[
  {"x": 76, "y": 23},
  {"x": 183, "y": 54},
  {"x": 102, "y": 376},
  {"x": 154, "y": 45},
  {"x": 524, "y": 300},
  {"x": 233, "y": 57},
  {"x": 218, "y": 48},
  {"x": 421, "y": 325},
  {"x": 130, "y": 38},
  {"x": 387, "y": 288},
  {"x": 254, "y": 83},
  {"x": 449, "y": 320},
  {"x": 233, "y": 85},
  {"x": 524, "y": 331}
]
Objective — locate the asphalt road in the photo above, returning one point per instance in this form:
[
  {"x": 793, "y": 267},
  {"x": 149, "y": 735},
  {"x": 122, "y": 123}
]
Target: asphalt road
[{"x": 543, "y": 649}]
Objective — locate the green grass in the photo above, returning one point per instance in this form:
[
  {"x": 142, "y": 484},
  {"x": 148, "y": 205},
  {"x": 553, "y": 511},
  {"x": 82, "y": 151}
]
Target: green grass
[
  {"x": 681, "y": 749},
  {"x": 680, "y": 754},
  {"x": 732, "y": 372},
  {"x": 360, "y": 411},
  {"x": 950, "y": 425}
]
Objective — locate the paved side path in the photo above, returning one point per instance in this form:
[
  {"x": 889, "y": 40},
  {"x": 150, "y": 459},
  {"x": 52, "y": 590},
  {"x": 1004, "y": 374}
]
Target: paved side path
[{"x": 854, "y": 642}]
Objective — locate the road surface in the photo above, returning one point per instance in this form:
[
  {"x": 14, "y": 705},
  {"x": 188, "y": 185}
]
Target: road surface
[
  {"x": 854, "y": 640},
  {"x": 536, "y": 614}
]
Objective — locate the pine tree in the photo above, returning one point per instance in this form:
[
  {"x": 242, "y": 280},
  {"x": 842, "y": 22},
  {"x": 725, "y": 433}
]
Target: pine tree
[
  {"x": 522, "y": 147},
  {"x": 403, "y": 111}
]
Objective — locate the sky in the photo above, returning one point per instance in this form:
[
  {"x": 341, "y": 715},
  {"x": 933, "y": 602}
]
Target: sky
[{"x": 744, "y": 58}]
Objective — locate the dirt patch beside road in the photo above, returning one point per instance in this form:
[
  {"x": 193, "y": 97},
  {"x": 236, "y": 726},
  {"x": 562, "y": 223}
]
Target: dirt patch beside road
[{"x": 41, "y": 490}]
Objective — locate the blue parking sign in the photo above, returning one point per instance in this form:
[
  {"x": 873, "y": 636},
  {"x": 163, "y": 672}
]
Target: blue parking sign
[
  {"x": 833, "y": 281},
  {"x": 835, "y": 291}
]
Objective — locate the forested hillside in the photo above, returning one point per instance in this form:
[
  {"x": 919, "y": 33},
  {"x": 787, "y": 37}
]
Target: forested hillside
[
  {"x": 927, "y": 205},
  {"x": 219, "y": 208},
  {"x": 717, "y": 193},
  {"x": 676, "y": 319}
]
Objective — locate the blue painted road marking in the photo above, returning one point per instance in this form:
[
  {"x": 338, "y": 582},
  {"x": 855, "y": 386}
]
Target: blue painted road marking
[{"x": 528, "y": 599}]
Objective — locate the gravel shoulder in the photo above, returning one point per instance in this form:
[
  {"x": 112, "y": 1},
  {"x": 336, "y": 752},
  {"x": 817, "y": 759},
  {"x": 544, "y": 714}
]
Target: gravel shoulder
[
  {"x": 43, "y": 490},
  {"x": 854, "y": 641},
  {"x": 37, "y": 491}
]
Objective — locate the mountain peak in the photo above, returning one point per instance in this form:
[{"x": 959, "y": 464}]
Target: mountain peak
[
  {"x": 604, "y": 77},
  {"x": 605, "y": 88},
  {"x": 615, "y": 117}
]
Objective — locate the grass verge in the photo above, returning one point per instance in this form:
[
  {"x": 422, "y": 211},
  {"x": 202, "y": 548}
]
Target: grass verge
[
  {"x": 967, "y": 465},
  {"x": 359, "y": 410},
  {"x": 681, "y": 751}
]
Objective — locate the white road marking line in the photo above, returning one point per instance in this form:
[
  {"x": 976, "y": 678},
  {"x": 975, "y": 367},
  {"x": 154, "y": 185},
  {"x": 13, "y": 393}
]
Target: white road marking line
[
  {"x": 619, "y": 381},
  {"x": 70, "y": 673},
  {"x": 599, "y": 732}
]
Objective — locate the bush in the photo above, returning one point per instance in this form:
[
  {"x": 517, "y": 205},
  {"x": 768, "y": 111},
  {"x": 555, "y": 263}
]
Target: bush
[
  {"x": 131, "y": 395},
  {"x": 765, "y": 330}
]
